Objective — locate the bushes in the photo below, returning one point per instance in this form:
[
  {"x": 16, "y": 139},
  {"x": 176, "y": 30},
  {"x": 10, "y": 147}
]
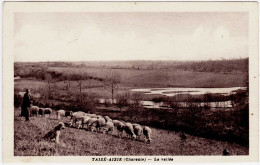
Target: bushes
[{"x": 220, "y": 125}]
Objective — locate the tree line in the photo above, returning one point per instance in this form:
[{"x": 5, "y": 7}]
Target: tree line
[{"x": 223, "y": 65}]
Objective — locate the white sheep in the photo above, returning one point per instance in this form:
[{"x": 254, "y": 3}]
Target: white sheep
[
  {"x": 78, "y": 124},
  {"x": 147, "y": 133},
  {"x": 119, "y": 126},
  {"x": 107, "y": 119},
  {"x": 33, "y": 110},
  {"x": 90, "y": 123},
  {"x": 99, "y": 116},
  {"x": 138, "y": 130},
  {"x": 100, "y": 122},
  {"x": 108, "y": 127},
  {"x": 92, "y": 115},
  {"x": 75, "y": 117},
  {"x": 63, "y": 113},
  {"x": 85, "y": 120},
  {"x": 44, "y": 111},
  {"x": 128, "y": 128},
  {"x": 116, "y": 122}
]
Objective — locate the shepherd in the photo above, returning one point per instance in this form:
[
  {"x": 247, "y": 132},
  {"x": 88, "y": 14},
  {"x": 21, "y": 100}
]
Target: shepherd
[{"x": 26, "y": 103}]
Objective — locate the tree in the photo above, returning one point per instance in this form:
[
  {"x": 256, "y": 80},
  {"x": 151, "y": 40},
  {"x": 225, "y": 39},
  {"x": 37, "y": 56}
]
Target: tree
[
  {"x": 68, "y": 82},
  {"x": 111, "y": 81},
  {"x": 48, "y": 78},
  {"x": 122, "y": 101},
  {"x": 79, "y": 78},
  {"x": 134, "y": 108},
  {"x": 90, "y": 102},
  {"x": 194, "y": 110},
  {"x": 136, "y": 100},
  {"x": 208, "y": 98}
]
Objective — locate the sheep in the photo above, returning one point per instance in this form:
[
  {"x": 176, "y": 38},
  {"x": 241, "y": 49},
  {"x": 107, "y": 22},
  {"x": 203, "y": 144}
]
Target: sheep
[
  {"x": 41, "y": 111},
  {"x": 116, "y": 122},
  {"x": 91, "y": 122},
  {"x": 44, "y": 111},
  {"x": 119, "y": 126},
  {"x": 34, "y": 110},
  {"x": 54, "y": 135},
  {"x": 128, "y": 128},
  {"x": 100, "y": 122},
  {"x": 78, "y": 124},
  {"x": 108, "y": 127},
  {"x": 47, "y": 111},
  {"x": 107, "y": 119},
  {"x": 92, "y": 115},
  {"x": 147, "y": 133},
  {"x": 63, "y": 113},
  {"x": 99, "y": 116},
  {"x": 85, "y": 120},
  {"x": 138, "y": 130},
  {"x": 76, "y": 116},
  {"x": 79, "y": 113}
]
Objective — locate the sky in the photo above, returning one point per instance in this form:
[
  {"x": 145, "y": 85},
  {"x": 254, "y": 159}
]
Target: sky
[{"x": 130, "y": 36}]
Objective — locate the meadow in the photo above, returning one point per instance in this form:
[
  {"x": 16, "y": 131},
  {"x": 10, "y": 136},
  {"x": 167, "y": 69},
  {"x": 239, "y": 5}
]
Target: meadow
[
  {"x": 145, "y": 78},
  {"x": 28, "y": 142}
]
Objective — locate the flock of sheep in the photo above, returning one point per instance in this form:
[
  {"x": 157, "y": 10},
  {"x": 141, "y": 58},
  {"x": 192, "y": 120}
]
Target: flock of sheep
[{"x": 98, "y": 123}]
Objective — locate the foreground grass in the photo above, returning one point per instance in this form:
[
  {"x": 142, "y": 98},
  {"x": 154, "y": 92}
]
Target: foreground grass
[{"x": 28, "y": 142}]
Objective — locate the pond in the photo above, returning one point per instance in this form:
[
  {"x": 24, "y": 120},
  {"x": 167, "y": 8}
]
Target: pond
[{"x": 191, "y": 91}]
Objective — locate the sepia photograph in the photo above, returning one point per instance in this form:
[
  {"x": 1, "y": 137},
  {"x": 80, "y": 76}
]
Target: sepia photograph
[{"x": 130, "y": 79}]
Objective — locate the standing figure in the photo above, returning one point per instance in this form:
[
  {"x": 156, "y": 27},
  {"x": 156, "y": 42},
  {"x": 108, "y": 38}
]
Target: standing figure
[{"x": 26, "y": 103}]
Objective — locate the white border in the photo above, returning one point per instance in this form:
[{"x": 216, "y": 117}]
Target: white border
[{"x": 151, "y": 7}]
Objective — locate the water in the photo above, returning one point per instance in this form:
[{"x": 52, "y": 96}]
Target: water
[
  {"x": 191, "y": 91},
  {"x": 151, "y": 104},
  {"x": 221, "y": 104}
]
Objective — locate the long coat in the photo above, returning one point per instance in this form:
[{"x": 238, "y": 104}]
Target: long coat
[{"x": 26, "y": 103}]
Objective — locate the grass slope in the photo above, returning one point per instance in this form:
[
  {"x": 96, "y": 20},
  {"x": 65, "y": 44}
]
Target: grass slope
[{"x": 28, "y": 142}]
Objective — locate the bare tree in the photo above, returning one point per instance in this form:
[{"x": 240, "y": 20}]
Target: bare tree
[
  {"x": 90, "y": 102},
  {"x": 135, "y": 107},
  {"x": 194, "y": 110},
  {"x": 80, "y": 79},
  {"x": 122, "y": 101},
  {"x": 136, "y": 100},
  {"x": 112, "y": 80},
  {"x": 48, "y": 78},
  {"x": 68, "y": 82}
]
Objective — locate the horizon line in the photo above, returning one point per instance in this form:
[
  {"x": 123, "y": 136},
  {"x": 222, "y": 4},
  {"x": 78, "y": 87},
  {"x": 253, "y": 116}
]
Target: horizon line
[{"x": 239, "y": 58}]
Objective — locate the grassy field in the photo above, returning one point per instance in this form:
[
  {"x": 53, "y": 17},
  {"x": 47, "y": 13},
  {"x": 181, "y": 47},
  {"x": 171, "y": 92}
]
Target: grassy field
[
  {"x": 28, "y": 142},
  {"x": 134, "y": 78},
  {"x": 162, "y": 78}
]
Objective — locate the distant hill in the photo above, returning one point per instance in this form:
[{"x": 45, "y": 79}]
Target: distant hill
[{"x": 224, "y": 65}]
